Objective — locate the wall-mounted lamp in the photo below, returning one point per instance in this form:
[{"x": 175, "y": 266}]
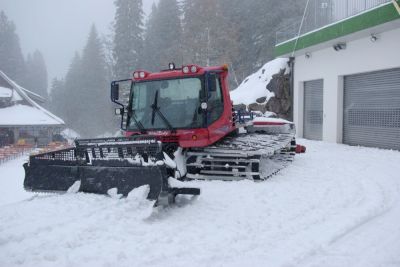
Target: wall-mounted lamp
[
  {"x": 373, "y": 38},
  {"x": 339, "y": 46}
]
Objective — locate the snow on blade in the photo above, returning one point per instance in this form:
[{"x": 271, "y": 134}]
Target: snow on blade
[
  {"x": 168, "y": 161},
  {"x": 271, "y": 120},
  {"x": 255, "y": 85},
  {"x": 180, "y": 161},
  {"x": 139, "y": 194},
  {"x": 173, "y": 182},
  {"x": 113, "y": 193},
  {"x": 139, "y": 203},
  {"x": 74, "y": 188}
]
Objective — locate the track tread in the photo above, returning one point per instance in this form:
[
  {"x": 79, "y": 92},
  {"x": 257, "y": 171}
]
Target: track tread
[{"x": 272, "y": 149}]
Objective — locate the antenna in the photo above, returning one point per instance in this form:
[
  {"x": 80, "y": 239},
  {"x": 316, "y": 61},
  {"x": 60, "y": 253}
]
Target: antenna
[{"x": 301, "y": 25}]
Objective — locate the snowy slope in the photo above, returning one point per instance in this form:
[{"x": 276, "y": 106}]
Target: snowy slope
[
  {"x": 334, "y": 206},
  {"x": 255, "y": 85}
]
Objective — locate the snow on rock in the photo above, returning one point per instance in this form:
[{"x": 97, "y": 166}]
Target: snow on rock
[
  {"x": 334, "y": 206},
  {"x": 255, "y": 85}
]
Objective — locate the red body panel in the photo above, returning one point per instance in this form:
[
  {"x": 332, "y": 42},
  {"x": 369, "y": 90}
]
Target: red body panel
[{"x": 201, "y": 137}]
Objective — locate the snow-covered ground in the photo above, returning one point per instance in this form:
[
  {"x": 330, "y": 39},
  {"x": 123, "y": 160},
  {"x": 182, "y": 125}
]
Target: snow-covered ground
[
  {"x": 11, "y": 179},
  {"x": 334, "y": 206}
]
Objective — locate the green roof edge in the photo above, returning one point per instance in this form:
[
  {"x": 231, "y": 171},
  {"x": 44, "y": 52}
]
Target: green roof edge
[{"x": 353, "y": 24}]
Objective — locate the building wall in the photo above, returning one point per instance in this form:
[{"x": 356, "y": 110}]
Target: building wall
[{"x": 360, "y": 56}]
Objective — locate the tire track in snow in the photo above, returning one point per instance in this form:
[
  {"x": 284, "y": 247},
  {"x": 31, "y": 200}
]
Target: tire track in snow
[
  {"x": 381, "y": 193},
  {"x": 371, "y": 202}
]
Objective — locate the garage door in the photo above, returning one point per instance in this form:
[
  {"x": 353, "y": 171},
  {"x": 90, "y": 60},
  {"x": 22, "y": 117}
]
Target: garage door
[
  {"x": 313, "y": 109},
  {"x": 371, "y": 114}
]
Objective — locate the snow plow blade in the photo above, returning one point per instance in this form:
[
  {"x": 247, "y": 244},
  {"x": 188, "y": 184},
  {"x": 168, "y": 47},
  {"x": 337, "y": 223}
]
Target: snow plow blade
[{"x": 102, "y": 164}]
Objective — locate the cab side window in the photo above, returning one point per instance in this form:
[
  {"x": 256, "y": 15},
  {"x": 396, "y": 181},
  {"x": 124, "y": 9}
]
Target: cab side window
[{"x": 215, "y": 99}]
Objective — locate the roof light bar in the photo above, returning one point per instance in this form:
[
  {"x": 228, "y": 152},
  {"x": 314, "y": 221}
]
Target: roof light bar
[
  {"x": 193, "y": 69},
  {"x": 140, "y": 74},
  {"x": 185, "y": 69},
  {"x": 190, "y": 69}
]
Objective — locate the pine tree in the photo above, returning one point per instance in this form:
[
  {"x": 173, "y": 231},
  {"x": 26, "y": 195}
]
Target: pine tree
[
  {"x": 151, "y": 40},
  {"x": 36, "y": 74},
  {"x": 11, "y": 59},
  {"x": 72, "y": 94},
  {"x": 210, "y": 37},
  {"x": 128, "y": 37},
  {"x": 199, "y": 27},
  {"x": 82, "y": 99},
  {"x": 256, "y": 22},
  {"x": 95, "y": 111},
  {"x": 58, "y": 95},
  {"x": 163, "y": 36}
]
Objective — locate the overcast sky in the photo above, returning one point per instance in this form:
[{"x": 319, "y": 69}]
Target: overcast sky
[{"x": 58, "y": 28}]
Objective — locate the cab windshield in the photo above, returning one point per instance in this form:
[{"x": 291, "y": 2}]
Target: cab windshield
[{"x": 178, "y": 100}]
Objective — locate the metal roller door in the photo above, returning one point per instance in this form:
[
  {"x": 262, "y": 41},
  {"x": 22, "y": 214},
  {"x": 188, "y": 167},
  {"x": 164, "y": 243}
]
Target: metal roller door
[
  {"x": 371, "y": 115},
  {"x": 313, "y": 109}
]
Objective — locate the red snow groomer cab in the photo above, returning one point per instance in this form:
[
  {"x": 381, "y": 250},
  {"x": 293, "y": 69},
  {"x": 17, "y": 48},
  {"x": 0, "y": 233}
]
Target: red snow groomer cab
[
  {"x": 179, "y": 124},
  {"x": 189, "y": 106}
]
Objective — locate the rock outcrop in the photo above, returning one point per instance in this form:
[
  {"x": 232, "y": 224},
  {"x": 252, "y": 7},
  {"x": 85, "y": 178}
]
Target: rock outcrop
[{"x": 281, "y": 102}]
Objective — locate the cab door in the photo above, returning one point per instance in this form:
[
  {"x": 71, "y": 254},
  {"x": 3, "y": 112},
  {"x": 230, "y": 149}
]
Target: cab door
[{"x": 218, "y": 119}]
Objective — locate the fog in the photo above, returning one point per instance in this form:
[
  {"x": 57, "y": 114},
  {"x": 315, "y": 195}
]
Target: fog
[{"x": 58, "y": 28}]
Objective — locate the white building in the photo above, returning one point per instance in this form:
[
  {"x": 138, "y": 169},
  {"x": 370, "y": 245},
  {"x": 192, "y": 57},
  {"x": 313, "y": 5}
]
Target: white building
[
  {"x": 22, "y": 119},
  {"x": 346, "y": 83}
]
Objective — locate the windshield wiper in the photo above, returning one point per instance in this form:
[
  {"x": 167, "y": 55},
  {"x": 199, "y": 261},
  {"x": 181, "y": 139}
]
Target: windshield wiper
[
  {"x": 138, "y": 123},
  {"x": 156, "y": 109}
]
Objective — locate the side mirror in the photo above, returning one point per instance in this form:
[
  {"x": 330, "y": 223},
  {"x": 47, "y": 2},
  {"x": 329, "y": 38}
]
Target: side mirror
[{"x": 114, "y": 91}]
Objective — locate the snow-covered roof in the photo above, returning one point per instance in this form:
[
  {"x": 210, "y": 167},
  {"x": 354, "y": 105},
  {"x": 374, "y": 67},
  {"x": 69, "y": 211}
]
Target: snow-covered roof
[
  {"x": 5, "y": 92},
  {"x": 25, "y": 115},
  {"x": 28, "y": 113},
  {"x": 255, "y": 85}
]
